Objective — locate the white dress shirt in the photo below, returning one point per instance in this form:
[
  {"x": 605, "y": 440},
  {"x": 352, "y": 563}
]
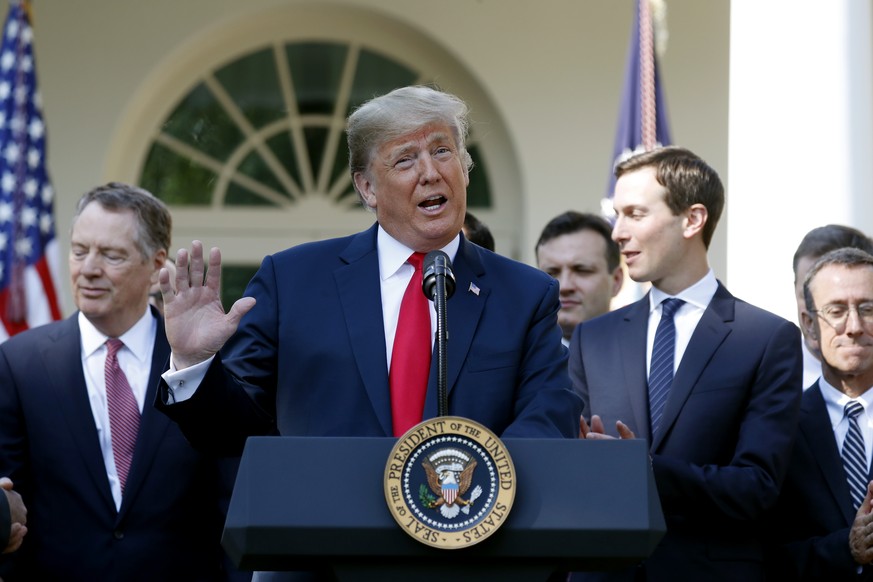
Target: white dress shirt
[
  {"x": 135, "y": 360},
  {"x": 394, "y": 275},
  {"x": 811, "y": 366},
  {"x": 686, "y": 318}
]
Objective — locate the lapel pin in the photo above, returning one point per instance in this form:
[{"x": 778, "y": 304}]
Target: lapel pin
[{"x": 474, "y": 289}]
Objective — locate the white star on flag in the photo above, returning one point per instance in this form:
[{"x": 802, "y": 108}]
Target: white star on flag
[{"x": 28, "y": 247}]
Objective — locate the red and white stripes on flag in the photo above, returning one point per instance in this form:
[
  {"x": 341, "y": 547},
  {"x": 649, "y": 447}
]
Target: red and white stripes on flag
[
  {"x": 449, "y": 492},
  {"x": 28, "y": 247}
]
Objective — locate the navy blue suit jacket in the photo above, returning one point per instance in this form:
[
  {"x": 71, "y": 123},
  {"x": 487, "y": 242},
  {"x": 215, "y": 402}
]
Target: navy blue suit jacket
[
  {"x": 722, "y": 450},
  {"x": 812, "y": 519},
  {"x": 169, "y": 524},
  {"x": 310, "y": 357}
]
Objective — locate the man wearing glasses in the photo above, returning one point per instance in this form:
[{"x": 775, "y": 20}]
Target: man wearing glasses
[{"x": 823, "y": 519}]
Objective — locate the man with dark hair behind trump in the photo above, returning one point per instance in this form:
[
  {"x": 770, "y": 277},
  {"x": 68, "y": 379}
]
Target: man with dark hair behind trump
[{"x": 578, "y": 251}]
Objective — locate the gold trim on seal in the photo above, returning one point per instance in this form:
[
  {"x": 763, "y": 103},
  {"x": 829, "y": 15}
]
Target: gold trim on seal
[{"x": 449, "y": 482}]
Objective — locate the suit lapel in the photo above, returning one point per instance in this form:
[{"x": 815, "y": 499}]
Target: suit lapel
[
  {"x": 469, "y": 272},
  {"x": 633, "y": 368},
  {"x": 361, "y": 299},
  {"x": 816, "y": 430},
  {"x": 67, "y": 382},
  {"x": 711, "y": 331},
  {"x": 153, "y": 424}
]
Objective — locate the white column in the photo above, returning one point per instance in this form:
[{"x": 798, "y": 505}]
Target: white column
[{"x": 800, "y": 152}]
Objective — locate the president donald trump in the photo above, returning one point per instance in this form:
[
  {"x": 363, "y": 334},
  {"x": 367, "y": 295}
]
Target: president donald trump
[{"x": 313, "y": 349}]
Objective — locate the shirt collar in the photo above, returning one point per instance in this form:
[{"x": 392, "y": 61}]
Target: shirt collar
[
  {"x": 835, "y": 401},
  {"x": 393, "y": 254},
  {"x": 137, "y": 339},
  {"x": 699, "y": 294}
]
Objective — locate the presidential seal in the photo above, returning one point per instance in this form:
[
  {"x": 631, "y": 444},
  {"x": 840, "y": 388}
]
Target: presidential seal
[{"x": 449, "y": 482}]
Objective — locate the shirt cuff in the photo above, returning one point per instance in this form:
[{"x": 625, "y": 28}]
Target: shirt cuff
[{"x": 184, "y": 383}]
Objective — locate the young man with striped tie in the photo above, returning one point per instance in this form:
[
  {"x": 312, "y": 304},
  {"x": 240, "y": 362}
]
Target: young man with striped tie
[{"x": 712, "y": 383}]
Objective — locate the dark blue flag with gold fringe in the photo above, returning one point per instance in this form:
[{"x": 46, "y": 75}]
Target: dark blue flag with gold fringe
[{"x": 642, "y": 117}]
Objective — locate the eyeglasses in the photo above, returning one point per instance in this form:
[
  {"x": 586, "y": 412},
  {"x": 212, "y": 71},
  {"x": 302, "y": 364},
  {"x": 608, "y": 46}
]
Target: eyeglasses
[{"x": 836, "y": 314}]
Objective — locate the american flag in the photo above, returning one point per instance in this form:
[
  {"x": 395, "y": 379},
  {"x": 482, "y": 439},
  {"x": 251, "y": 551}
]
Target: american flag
[
  {"x": 28, "y": 248},
  {"x": 642, "y": 118}
]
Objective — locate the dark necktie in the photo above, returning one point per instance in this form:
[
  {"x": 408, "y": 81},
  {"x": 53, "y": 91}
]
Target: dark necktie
[
  {"x": 661, "y": 369},
  {"x": 123, "y": 412},
  {"x": 411, "y": 354},
  {"x": 854, "y": 455}
]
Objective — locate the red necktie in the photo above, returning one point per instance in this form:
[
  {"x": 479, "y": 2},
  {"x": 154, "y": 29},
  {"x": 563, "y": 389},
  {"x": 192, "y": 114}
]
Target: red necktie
[
  {"x": 123, "y": 411},
  {"x": 410, "y": 358}
]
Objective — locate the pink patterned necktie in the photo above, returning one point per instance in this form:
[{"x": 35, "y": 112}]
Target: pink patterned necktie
[
  {"x": 123, "y": 412},
  {"x": 410, "y": 356}
]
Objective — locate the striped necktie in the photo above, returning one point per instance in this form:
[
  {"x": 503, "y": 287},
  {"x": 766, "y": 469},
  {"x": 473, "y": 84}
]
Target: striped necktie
[
  {"x": 661, "y": 368},
  {"x": 854, "y": 455},
  {"x": 123, "y": 412}
]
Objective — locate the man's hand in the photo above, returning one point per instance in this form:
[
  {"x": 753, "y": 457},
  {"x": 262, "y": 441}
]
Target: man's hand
[
  {"x": 196, "y": 324},
  {"x": 19, "y": 516},
  {"x": 596, "y": 431},
  {"x": 861, "y": 534}
]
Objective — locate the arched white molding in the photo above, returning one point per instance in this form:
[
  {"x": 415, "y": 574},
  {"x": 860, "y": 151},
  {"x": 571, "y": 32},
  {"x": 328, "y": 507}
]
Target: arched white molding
[{"x": 247, "y": 234}]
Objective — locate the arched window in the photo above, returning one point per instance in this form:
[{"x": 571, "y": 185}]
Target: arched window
[
  {"x": 241, "y": 131},
  {"x": 266, "y": 130}
]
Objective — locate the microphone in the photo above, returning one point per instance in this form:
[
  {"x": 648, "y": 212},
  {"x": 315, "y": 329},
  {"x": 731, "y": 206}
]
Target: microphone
[
  {"x": 438, "y": 284},
  {"x": 437, "y": 264}
]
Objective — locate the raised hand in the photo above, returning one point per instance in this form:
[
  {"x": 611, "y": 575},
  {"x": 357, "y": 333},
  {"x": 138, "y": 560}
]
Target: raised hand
[{"x": 196, "y": 323}]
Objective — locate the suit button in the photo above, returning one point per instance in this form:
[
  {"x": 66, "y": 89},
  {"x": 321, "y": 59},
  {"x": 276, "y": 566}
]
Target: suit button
[{"x": 118, "y": 534}]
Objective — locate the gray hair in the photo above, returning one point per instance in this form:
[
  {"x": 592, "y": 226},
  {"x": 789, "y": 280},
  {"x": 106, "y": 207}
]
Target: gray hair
[
  {"x": 154, "y": 223},
  {"x": 400, "y": 112},
  {"x": 848, "y": 257}
]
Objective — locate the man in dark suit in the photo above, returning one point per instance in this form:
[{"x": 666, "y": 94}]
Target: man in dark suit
[
  {"x": 315, "y": 348},
  {"x": 100, "y": 510},
  {"x": 719, "y": 406},
  {"x": 822, "y": 521}
]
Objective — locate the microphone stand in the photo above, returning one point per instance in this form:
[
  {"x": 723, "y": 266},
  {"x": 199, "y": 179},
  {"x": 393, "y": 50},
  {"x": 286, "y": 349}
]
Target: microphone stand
[
  {"x": 438, "y": 285},
  {"x": 442, "y": 336}
]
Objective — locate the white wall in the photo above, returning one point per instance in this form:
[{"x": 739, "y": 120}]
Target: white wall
[{"x": 801, "y": 136}]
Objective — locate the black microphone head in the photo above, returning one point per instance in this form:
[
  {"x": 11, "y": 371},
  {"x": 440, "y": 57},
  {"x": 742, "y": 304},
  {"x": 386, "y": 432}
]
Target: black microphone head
[
  {"x": 428, "y": 266},
  {"x": 437, "y": 263}
]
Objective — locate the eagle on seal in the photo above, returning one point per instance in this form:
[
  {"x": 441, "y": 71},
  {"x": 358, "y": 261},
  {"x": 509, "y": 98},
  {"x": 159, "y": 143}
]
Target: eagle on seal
[{"x": 448, "y": 487}]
